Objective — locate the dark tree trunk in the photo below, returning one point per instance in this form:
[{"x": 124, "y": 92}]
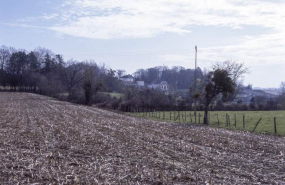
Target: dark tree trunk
[
  {"x": 88, "y": 92},
  {"x": 206, "y": 115}
]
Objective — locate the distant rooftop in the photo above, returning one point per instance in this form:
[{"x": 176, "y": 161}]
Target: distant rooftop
[{"x": 127, "y": 76}]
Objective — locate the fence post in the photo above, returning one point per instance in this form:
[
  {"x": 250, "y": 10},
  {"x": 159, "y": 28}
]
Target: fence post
[
  {"x": 170, "y": 115},
  {"x": 235, "y": 121},
  {"x": 163, "y": 114},
  {"x": 218, "y": 119},
  {"x": 199, "y": 118},
  {"x": 191, "y": 118},
  {"x": 256, "y": 124},
  {"x": 243, "y": 121},
  {"x": 227, "y": 122},
  {"x": 275, "y": 127}
]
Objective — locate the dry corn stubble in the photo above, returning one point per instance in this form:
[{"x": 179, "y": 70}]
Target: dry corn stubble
[{"x": 51, "y": 142}]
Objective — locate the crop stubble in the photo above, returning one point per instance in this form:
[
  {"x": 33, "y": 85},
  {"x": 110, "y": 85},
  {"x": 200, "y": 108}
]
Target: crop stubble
[{"x": 47, "y": 141}]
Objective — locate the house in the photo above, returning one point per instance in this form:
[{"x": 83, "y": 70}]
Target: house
[
  {"x": 244, "y": 98},
  {"x": 246, "y": 95},
  {"x": 129, "y": 80},
  {"x": 140, "y": 83},
  {"x": 159, "y": 85}
]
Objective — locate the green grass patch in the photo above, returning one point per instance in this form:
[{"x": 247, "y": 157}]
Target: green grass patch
[
  {"x": 116, "y": 95},
  {"x": 266, "y": 125}
]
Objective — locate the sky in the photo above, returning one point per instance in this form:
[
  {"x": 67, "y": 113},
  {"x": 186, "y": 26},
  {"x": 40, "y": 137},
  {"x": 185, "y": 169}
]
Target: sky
[{"x": 135, "y": 34}]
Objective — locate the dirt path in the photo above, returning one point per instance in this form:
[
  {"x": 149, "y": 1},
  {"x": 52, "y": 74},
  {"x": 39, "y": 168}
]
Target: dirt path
[{"x": 51, "y": 142}]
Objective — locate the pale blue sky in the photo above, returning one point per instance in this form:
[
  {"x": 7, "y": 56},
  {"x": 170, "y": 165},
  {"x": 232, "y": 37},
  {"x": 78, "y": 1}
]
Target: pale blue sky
[{"x": 133, "y": 34}]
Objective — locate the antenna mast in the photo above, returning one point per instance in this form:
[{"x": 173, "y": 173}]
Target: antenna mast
[{"x": 195, "y": 84}]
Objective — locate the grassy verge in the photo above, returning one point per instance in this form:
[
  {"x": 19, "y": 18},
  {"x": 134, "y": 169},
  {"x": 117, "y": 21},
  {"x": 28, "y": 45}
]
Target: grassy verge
[
  {"x": 266, "y": 125},
  {"x": 116, "y": 95}
]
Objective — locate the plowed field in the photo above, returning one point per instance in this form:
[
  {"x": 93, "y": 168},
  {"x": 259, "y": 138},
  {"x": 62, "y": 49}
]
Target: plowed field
[{"x": 46, "y": 141}]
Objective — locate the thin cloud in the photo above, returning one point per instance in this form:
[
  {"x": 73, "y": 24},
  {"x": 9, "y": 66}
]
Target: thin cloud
[
  {"x": 260, "y": 50},
  {"x": 119, "y": 19},
  {"x": 23, "y": 25},
  {"x": 142, "y": 19}
]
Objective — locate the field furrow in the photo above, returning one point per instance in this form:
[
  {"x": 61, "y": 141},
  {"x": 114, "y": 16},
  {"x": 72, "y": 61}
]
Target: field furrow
[{"x": 46, "y": 141}]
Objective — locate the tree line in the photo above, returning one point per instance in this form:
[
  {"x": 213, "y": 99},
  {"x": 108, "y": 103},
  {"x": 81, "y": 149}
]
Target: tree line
[{"x": 41, "y": 71}]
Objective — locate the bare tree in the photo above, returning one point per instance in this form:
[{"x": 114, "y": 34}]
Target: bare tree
[
  {"x": 5, "y": 54},
  {"x": 235, "y": 70},
  {"x": 223, "y": 80},
  {"x": 73, "y": 75},
  {"x": 91, "y": 83},
  {"x": 120, "y": 73}
]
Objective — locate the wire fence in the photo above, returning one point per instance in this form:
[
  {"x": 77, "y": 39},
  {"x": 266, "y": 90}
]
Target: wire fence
[{"x": 264, "y": 122}]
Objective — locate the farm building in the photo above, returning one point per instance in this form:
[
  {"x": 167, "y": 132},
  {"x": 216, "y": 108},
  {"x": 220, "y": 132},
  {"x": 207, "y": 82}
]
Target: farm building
[
  {"x": 159, "y": 85},
  {"x": 129, "y": 80}
]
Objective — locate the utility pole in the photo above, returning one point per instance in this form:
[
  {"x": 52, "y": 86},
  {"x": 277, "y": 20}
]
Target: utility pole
[{"x": 195, "y": 84}]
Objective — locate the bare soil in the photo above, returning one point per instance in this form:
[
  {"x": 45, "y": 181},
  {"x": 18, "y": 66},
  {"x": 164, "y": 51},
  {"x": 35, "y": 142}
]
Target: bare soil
[{"x": 45, "y": 141}]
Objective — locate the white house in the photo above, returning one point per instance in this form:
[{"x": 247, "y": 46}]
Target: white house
[
  {"x": 140, "y": 83},
  {"x": 161, "y": 85},
  {"x": 127, "y": 78}
]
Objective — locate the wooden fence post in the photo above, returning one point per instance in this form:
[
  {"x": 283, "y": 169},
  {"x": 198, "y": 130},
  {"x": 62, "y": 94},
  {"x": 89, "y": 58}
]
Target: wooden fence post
[
  {"x": 275, "y": 127},
  {"x": 163, "y": 114},
  {"x": 256, "y": 124},
  {"x": 199, "y": 117},
  {"x": 227, "y": 122},
  {"x": 235, "y": 121},
  {"x": 243, "y": 121},
  {"x": 191, "y": 118},
  {"x": 218, "y": 119}
]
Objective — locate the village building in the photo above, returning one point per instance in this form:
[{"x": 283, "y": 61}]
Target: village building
[
  {"x": 129, "y": 80},
  {"x": 159, "y": 85},
  {"x": 246, "y": 95}
]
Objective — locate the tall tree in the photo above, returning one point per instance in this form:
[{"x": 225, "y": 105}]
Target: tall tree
[
  {"x": 120, "y": 73},
  {"x": 217, "y": 82},
  {"x": 17, "y": 68},
  {"x": 4, "y": 57},
  {"x": 223, "y": 79},
  {"x": 91, "y": 83},
  {"x": 73, "y": 76}
]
